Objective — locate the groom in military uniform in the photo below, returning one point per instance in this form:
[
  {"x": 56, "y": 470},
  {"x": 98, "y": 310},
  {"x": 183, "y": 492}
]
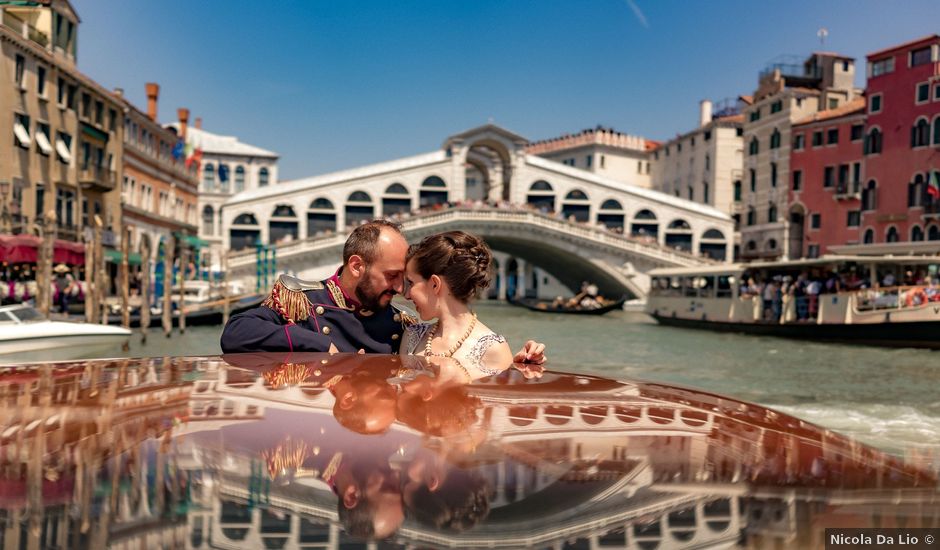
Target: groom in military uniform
[{"x": 349, "y": 312}]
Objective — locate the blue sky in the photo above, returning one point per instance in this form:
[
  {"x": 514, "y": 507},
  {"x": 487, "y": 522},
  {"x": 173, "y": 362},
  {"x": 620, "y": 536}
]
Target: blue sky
[{"x": 338, "y": 84}]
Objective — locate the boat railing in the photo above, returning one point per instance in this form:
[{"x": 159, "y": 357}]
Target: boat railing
[{"x": 896, "y": 297}]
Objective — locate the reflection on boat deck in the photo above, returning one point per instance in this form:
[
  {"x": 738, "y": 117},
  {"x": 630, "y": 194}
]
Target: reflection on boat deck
[{"x": 246, "y": 452}]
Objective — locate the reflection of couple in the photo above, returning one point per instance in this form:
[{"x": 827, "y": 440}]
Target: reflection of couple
[{"x": 352, "y": 311}]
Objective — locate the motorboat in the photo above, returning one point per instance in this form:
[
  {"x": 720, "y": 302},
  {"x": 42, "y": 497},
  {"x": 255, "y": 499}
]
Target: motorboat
[
  {"x": 243, "y": 451},
  {"x": 891, "y": 301},
  {"x": 25, "y": 335}
]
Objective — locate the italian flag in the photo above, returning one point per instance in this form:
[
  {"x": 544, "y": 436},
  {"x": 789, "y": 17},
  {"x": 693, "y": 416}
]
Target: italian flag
[{"x": 933, "y": 185}]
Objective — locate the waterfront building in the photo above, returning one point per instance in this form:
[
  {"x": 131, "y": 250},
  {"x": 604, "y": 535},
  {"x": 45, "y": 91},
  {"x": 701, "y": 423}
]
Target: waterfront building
[
  {"x": 60, "y": 131},
  {"x": 788, "y": 90},
  {"x": 704, "y": 165},
  {"x": 826, "y": 175},
  {"x": 602, "y": 151},
  {"x": 900, "y": 213},
  {"x": 226, "y": 167},
  {"x": 159, "y": 193}
]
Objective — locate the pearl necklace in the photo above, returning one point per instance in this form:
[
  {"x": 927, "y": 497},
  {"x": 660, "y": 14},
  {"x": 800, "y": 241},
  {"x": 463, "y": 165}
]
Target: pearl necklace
[{"x": 455, "y": 347}]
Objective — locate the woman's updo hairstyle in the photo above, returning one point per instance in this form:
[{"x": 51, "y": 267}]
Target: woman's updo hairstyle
[{"x": 461, "y": 259}]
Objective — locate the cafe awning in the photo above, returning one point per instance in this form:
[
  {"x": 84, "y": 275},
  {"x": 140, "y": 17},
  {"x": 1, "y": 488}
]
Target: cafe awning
[
  {"x": 114, "y": 256},
  {"x": 191, "y": 240},
  {"x": 15, "y": 249}
]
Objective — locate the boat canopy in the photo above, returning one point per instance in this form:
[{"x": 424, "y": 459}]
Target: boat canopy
[{"x": 732, "y": 268}]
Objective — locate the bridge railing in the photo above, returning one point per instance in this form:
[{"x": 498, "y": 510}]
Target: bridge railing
[{"x": 424, "y": 220}]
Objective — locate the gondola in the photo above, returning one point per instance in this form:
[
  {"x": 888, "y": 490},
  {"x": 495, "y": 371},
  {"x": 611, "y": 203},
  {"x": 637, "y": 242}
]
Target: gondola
[{"x": 546, "y": 306}]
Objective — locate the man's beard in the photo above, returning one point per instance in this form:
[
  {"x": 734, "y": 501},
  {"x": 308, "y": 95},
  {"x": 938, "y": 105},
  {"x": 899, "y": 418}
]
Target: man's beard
[{"x": 368, "y": 297}]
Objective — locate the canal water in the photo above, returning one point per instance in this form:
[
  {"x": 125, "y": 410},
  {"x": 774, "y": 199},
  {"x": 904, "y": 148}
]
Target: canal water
[{"x": 889, "y": 398}]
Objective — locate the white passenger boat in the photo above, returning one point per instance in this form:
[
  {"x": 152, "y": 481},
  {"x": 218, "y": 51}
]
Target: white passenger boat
[
  {"x": 25, "y": 335},
  {"x": 883, "y": 300}
]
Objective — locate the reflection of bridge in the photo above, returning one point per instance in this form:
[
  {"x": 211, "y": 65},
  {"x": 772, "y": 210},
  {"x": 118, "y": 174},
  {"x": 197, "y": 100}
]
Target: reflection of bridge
[
  {"x": 570, "y": 252},
  {"x": 484, "y": 165}
]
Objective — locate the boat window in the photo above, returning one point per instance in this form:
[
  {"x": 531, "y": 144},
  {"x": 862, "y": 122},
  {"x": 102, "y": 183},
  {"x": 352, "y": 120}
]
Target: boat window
[
  {"x": 724, "y": 286},
  {"x": 688, "y": 286},
  {"x": 5, "y": 317},
  {"x": 27, "y": 314},
  {"x": 706, "y": 286}
]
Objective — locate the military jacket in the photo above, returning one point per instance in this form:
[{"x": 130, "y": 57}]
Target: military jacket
[{"x": 300, "y": 316}]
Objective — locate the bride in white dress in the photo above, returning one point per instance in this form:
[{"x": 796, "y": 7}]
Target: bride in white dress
[{"x": 443, "y": 274}]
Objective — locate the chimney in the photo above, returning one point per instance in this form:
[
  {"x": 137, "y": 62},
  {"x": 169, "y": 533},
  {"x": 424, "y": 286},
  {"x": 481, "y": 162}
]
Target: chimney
[
  {"x": 153, "y": 92},
  {"x": 119, "y": 92},
  {"x": 183, "y": 114},
  {"x": 704, "y": 112},
  {"x": 198, "y": 122}
]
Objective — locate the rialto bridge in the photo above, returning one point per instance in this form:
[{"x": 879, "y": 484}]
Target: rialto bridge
[{"x": 570, "y": 222}]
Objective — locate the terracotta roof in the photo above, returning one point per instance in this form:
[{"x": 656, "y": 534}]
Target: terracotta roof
[
  {"x": 927, "y": 38},
  {"x": 730, "y": 118},
  {"x": 749, "y": 99},
  {"x": 853, "y": 107},
  {"x": 652, "y": 144}
]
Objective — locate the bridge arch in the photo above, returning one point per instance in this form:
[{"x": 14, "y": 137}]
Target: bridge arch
[
  {"x": 283, "y": 225},
  {"x": 541, "y": 195},
  {"x": 577, "y": 206},
  {"x": 611, "y": 215}
]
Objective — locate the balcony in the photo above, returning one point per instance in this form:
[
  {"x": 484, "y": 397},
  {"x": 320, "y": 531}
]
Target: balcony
[
  {"x": 97, "y": 178},
  {"x": 848, "y": 191},
  {"x": 24, "y": 29}
]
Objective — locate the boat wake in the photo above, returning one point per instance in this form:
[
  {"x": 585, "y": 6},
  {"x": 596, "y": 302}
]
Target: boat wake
[{"x": 897, "y": 429}]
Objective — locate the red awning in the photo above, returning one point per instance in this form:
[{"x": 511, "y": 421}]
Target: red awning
[{"x": 16, "y": 249}]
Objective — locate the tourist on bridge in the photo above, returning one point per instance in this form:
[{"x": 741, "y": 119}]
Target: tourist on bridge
[{"x": 348, "y": 312}]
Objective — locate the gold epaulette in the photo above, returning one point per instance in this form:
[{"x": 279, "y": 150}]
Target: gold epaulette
[{"x": 288, "y": 298}]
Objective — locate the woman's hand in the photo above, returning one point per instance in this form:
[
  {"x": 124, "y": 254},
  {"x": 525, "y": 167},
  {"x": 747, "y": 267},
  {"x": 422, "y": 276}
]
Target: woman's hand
[{"x": 532, "y": 352}]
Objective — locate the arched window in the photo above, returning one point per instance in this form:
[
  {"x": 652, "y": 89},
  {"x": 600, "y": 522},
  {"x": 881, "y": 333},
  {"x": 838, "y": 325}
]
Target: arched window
[
  {"x": 891, "y": 236},
  {"x": 869, "y": 195},
  {"x": 920, "y": 133},
  {"x": 576, "y": 206},
  {"x": 245, "y": 219},
  {"x": 359, "y": 208},
  {"x": 772, "y": 213},
  {"x": 239, "y": 178},
  {"x": 936, "y": 131},
  {"x": 263, "y": 177},
  {"x": 244, "y": 232},
  {"x": 541, "y": 185},
  {"x": 283, "y": 226},
  {"x": 679, "y": 235},
  {"x": 933, "y": 233},
  {"x": 208, "y": 176},
  {"x": 208, "y": 220},
  {"x": 772, "y": 244},
  {"x": 754, "y": 147},
  {"x": 541, "y": 196},
  {"x": 713, "y": 245},
  {"x": 775, "y": 139},
  {"x": 751, "y": 246},
  {"x": 916, "y": 191},
  {"x": 644, "y": 224},
  {"x": 321, "y": 217},
  {"x": 577, "y": 195},
  {"x": 869, "y": 236},
  {"x": 396, "y": 200},
  {"x": 917, "y": 234},
  {"x": 751, "y": 215},
  {"x": 873, "y": 142},
  {"x": 433, "y": 192},
  {"x": 223, "y": 177},
  {"x": 611, "y": 215}
]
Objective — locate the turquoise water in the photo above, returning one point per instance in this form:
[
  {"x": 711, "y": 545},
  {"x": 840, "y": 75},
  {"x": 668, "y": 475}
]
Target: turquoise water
[{"x": 886, "y": 397}]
